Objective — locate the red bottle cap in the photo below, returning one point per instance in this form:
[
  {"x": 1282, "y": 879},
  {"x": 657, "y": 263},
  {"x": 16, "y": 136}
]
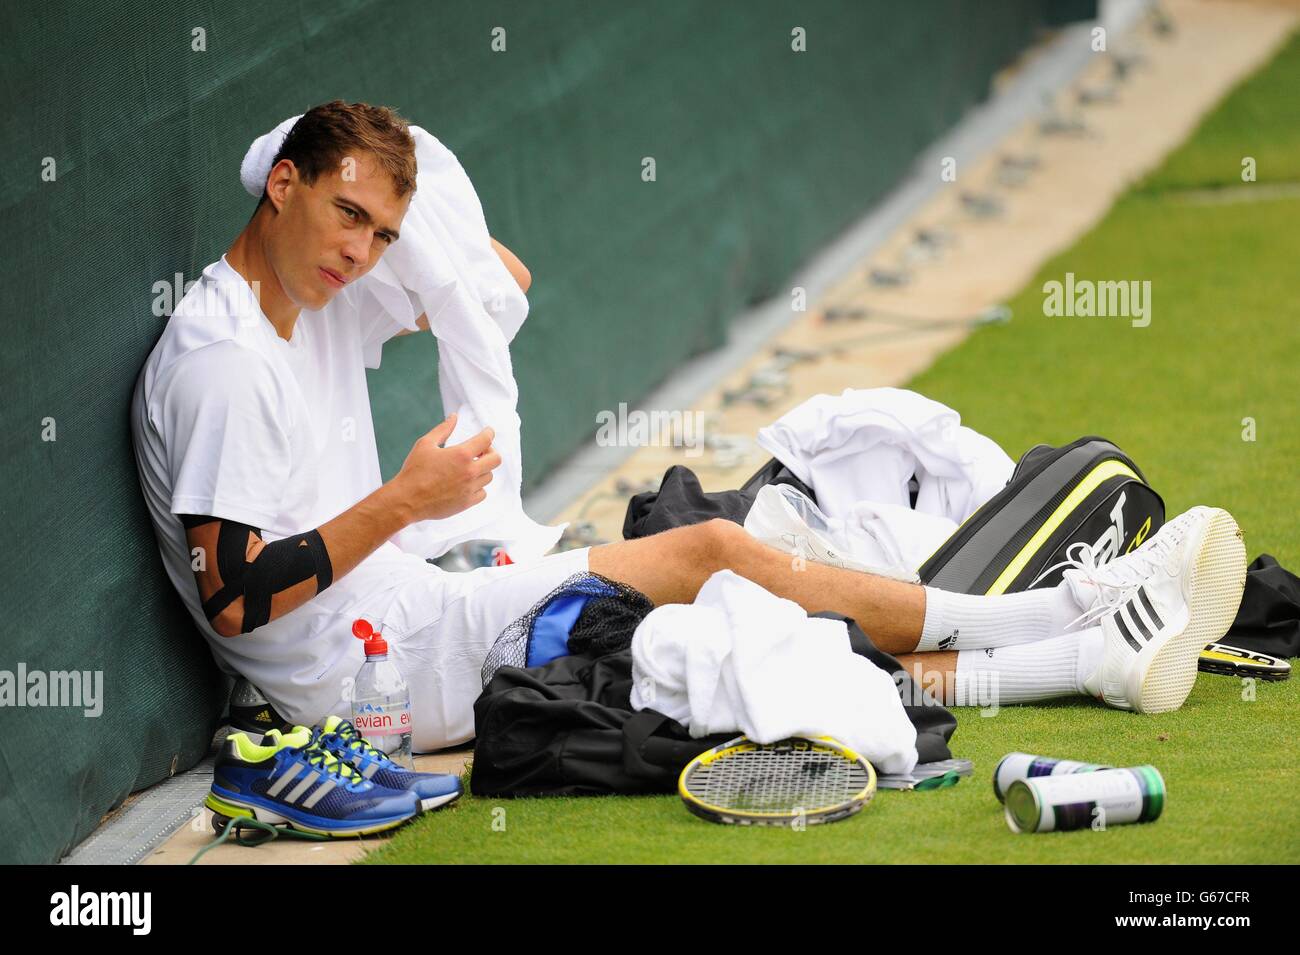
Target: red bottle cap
[{"x": 375, "y": 644}]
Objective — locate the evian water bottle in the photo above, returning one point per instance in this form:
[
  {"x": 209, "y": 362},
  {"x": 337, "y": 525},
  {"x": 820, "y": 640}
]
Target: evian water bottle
[{"x": 381, "y": 703}]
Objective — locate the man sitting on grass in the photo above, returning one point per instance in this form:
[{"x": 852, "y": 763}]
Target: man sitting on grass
[{"x": 275, "y": 528}]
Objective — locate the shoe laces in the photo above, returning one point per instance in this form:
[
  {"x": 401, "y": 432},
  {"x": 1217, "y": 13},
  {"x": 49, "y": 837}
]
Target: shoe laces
[
  {"x": 315, "y": 754},
  {"x": 347, "y": 737},
  {"x": 1116, "y": 580}
]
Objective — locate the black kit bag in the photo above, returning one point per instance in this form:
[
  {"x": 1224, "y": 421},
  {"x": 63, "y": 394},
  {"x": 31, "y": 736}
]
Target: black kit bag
[
  {"x": 1087, "y": 491},
  {"x": 680, "y": 500},
  {"x": 568, "y": 728}
]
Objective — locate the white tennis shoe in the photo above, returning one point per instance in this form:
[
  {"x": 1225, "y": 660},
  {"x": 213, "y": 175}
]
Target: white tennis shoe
[{"x": 1159, "y": 606}]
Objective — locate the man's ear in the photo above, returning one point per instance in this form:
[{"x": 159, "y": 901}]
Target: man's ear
[{"x": 282, "y": 178}]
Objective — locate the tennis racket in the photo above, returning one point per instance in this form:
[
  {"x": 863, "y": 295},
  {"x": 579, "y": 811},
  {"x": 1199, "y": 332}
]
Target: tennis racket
[
  {"x": 1234, "y": 661},
  {"x": 795, "y": 780}
]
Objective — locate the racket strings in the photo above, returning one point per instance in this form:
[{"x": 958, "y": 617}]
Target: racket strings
[{"x": 783, "y": 780}]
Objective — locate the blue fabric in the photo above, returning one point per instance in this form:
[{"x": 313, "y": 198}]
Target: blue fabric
[{"x": 550, "y": 637}]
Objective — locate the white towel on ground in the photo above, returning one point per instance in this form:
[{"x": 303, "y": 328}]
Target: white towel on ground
[
  {"x": 741, "y": 659},
  {"x": 444, "y": 265}
]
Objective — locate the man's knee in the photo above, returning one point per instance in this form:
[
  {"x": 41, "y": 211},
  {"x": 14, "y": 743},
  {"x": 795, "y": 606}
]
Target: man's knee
[{"x": 719, "y": 541}]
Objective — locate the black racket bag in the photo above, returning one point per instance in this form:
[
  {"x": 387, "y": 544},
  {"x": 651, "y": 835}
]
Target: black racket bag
[{"x": 1088, "y": 490}]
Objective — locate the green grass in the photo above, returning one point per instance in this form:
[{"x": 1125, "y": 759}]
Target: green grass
[
  {"x": 1261, "y": 119},
  {"x": 1223, "y": 345},
  {"x": 1229, "y": 766}
]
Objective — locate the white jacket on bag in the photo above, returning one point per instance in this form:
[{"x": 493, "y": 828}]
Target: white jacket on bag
[{"x": 859, "y": 450}]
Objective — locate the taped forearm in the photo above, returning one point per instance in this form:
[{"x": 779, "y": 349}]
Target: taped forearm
[{"x": 247, "y": 587}]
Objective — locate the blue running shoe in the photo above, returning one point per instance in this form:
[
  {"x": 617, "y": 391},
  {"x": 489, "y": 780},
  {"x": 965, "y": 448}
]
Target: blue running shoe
[
  {"x": 345, "y": 741},
  {"x": 292, "y": 780}
]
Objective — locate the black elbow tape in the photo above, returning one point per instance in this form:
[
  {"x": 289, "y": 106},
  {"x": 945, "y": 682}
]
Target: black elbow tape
[
  {"x": 324, "y": 569},
  {"x": 280, "y": 565}
]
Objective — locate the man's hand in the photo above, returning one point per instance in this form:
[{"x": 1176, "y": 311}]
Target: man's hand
[{"x": 437, "y": 482}]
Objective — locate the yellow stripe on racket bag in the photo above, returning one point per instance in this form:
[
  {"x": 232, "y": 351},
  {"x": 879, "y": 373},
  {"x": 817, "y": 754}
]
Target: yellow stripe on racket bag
[{"x": 1091, "y": 481}]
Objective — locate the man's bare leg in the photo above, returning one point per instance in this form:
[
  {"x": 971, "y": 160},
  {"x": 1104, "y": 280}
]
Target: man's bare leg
[
  {"x": 670, "y": 567},
  {"x": 936, "y": 672}
]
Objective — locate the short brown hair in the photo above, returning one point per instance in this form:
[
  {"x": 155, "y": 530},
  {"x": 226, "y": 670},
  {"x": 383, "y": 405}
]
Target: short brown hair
[{"x": 326, "y": 134}]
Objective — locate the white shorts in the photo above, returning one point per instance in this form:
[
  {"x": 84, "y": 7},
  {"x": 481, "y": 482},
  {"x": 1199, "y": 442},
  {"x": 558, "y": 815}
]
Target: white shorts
[{"x": 440, "y": 628}]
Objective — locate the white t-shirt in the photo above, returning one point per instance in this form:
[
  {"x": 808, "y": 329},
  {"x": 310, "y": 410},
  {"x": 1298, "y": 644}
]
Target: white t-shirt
[{"x": 232, "y": 421}]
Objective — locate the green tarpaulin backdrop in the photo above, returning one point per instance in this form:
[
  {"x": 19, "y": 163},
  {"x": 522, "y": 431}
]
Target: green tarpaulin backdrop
[{"x": 123, "y": 131}]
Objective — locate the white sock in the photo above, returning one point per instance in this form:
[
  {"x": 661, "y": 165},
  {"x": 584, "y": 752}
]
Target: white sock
[
  {"x": 965, "y": 622},
  {"x": 1025, "y": 674}
]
